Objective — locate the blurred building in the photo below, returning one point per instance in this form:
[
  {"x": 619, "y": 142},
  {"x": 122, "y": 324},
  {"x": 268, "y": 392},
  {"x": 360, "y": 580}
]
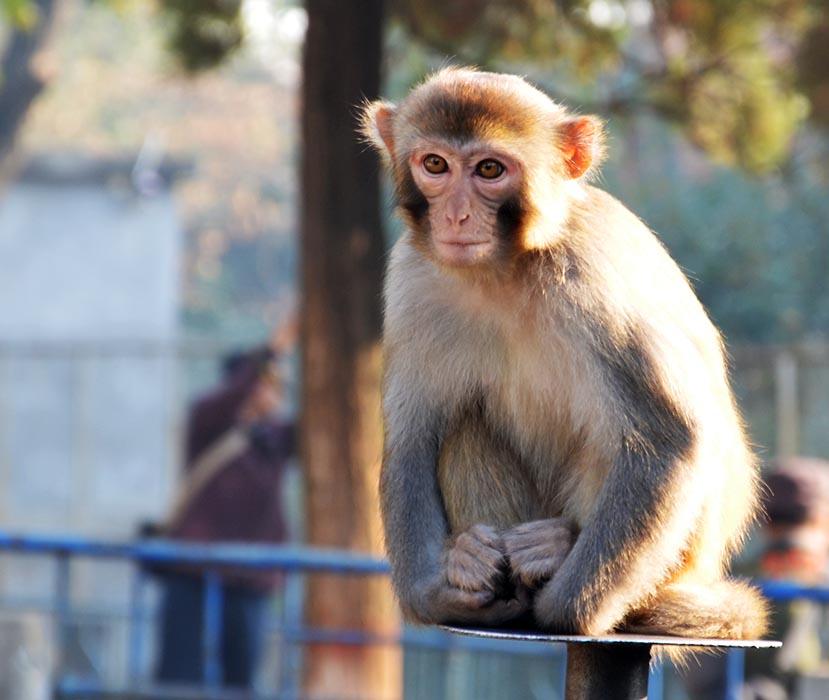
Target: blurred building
[
  {"x": 89, "y": 301},
  {"x": 88, "y": 316}
]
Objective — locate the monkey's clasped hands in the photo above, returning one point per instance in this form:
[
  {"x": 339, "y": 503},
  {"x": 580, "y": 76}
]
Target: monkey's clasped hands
[{"x": 491, "y": 576}]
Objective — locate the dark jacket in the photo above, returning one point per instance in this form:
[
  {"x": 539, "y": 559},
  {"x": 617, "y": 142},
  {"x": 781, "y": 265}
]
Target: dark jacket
[{"x": 243, "y": 502}]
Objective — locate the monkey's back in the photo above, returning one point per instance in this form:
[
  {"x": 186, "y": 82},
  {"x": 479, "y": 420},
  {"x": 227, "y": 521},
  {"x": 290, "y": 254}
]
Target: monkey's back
[{"x": 652, "y": 293}]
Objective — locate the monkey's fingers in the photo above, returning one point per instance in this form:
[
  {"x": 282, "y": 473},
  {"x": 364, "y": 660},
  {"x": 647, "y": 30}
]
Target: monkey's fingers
[
  {"x": 485, "y": 535},
  {"x": 469, "y": 608},
  {"x": 533, "y": 573},
  {"x": 554, "y": 533},
  {"x": 475, "y": 561},
  {"x": 537, "y": 550},
  {"x": 459, "y": 599},
  {"x": 474, "y": 571},
  {"x": 503, "y": 610},
  {"x": 534, "y": 529}
]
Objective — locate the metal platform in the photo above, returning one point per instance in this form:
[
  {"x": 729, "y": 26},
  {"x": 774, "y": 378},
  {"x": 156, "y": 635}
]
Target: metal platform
[{"x": 614, "y": 667}]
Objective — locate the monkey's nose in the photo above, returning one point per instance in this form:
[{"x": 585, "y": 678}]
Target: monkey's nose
[
  {"x": 457, "y": 207},
  {"x": 457, "y": 218},
  {"x": 457, "y": 215}
]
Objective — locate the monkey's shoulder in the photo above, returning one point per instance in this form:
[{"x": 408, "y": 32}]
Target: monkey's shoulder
[
  {"x": 628, "y": 260},
  {"x": 618, "y": 229}
]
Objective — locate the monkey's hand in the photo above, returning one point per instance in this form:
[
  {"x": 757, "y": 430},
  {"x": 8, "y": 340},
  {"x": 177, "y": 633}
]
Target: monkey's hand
[
  {"x": 473, "y": 586},
  {"x": 536, "y": 550},
  {"x": 475, "y": 561}
]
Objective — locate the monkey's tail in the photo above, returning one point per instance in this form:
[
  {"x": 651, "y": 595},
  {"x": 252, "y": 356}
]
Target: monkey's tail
[{"x": 726, "y": 609}]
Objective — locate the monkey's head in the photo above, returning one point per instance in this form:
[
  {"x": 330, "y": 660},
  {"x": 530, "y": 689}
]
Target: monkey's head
[{"x": 485, "y": 165}]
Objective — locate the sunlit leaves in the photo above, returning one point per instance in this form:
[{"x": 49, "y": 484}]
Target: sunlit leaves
[
  {"x": 22, "y": 14},
  {"x": 813, "y": 70},
  {"x": 739, "y": 76},
  {"x": 203, "y": 32}
]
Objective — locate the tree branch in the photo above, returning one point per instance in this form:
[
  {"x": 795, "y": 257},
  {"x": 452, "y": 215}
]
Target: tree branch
[{"x": 21, "y": 83}]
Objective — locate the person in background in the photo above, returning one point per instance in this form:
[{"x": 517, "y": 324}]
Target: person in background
[
  {"x": 794, "y": 547},
  {"x": 237, "y": 447}
]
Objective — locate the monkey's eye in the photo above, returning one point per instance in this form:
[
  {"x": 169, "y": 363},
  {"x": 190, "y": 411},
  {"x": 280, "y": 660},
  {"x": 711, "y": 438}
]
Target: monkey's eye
[
  {"x": 489, "y": 169},
  {"x": 435, "y": 164}
]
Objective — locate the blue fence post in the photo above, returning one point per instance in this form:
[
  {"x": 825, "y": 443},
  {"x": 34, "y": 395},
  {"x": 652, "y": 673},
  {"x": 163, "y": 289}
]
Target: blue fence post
[
  {"x": 136, "y": 624},
  {"x": 62, "y": 609},
  {"x": 212, "y": 640},
  {"x": 289, "y": 686}
]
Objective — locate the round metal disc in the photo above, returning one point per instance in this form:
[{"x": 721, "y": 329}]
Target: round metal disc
[{"x": 660, "y": 640}]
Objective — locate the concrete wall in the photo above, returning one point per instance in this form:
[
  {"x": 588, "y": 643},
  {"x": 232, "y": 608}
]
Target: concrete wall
[{"x": 88, "y": 319}]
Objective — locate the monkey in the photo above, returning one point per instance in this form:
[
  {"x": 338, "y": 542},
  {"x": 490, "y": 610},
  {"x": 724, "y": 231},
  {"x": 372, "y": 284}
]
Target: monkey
[{"x": 562, "y": 447}]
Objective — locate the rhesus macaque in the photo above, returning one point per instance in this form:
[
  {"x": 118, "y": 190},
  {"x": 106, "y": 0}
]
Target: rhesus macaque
[{"x": 561, "y": 442}]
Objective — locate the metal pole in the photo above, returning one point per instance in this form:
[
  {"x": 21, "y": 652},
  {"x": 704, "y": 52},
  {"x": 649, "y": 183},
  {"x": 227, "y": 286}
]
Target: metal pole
[
  {"x": 136, "y": 625},
  {"x": 734, "y": 673},
  {"x": 607, "y": 671},
  {"x": 787, "y": 403},
  {"x": 291, "y": 661},
  {"x": 212, "y": 639},
  {"x": 62, "y": 610}
]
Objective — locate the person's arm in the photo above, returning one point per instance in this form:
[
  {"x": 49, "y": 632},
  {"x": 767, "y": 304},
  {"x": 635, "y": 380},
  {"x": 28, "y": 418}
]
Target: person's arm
[{"x": 215, "y": 413}]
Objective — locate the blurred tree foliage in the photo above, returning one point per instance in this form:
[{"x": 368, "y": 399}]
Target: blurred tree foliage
[
  {"x": 22, "y": 14},
  {"x": 202, "y": 33},
  {"x": 738, "y": 75},
  {"x": 29, "y": 24},
  {"x": 755, "y": 248}
]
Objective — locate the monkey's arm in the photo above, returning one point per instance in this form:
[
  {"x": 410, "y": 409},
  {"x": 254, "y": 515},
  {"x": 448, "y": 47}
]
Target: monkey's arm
[
  {"x": 619, "y": 558},
  {"x": 645, "y": 510},
  {"x": 437, "y": 579}
]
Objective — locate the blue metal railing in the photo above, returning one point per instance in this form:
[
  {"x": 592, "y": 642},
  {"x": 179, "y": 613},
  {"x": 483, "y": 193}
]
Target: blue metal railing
[{"x": 295, "y": 562}]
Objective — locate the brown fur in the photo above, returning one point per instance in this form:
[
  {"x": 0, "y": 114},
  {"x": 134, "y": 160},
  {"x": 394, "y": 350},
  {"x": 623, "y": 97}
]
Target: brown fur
[{"x": 555, "y": 398}]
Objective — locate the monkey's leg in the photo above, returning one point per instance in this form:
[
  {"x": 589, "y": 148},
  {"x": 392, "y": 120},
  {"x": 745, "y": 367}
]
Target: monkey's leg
[
  {"x": 484, "y": 488},
  {"x": 482, "y": 479}
]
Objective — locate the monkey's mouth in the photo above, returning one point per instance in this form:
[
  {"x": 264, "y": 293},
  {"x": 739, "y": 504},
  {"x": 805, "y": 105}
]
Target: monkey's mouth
[{"x": 461, "y": 252}]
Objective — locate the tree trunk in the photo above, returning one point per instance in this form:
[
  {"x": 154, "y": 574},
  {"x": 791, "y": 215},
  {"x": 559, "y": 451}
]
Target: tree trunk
[
  {"x": 342, "y": 253},
  {"x": 20, "y": 80}
]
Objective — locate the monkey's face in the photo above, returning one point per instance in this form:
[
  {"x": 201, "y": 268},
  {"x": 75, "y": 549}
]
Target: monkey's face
[
  {"x": 483, "y": 164},
  {"x": 465, "y": 189}
]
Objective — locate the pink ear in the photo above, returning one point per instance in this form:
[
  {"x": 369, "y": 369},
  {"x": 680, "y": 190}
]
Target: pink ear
[
  {"x": 580, "y": 143},
  {"x": 384, "y": 120},
  {"x": 377, "y": 125}
]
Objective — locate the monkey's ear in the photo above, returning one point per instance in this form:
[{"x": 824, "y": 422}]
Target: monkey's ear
[
  {"x": 377, "y": 126},
  {"x": 581, "y": 144}
]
